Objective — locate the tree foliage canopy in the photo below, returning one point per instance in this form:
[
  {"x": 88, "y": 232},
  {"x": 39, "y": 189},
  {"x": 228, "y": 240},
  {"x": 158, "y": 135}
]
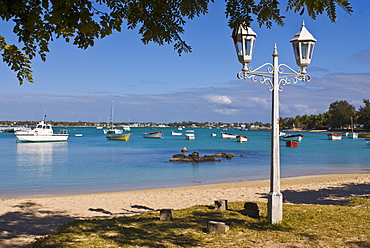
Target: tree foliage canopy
[{"x": 38, "y": 22}]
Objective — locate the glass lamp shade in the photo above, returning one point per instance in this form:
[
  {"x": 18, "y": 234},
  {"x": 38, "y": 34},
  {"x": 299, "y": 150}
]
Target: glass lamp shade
[
  {"x": 244, "y": 40},
  {"x": 303, "y": 44}
]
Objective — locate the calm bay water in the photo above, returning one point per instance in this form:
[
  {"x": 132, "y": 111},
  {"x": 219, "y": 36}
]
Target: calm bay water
[{"x": 93, "y": 164}]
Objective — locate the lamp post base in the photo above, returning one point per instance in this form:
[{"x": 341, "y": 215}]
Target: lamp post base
[{"x": 275, "y": 207}]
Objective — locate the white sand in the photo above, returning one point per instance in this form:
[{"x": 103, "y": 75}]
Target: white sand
[{"x": 23, "y": 219}]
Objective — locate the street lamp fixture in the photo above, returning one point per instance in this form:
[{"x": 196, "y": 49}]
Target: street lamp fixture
[{"x": 275, "y": 77}]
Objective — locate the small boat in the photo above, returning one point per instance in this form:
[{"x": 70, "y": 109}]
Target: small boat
[
  {"x": 368, "y": 143},
  {"x": 173, "y": 133},
  {"x": 291, "y": 143},
  {"x": 122, "y": 137},
  {"x": 126, "y": 128},
  {"x": 229, "y": 136},
  {"x": 334, "y": 136},
  {"x": 293, "y": 137},
  {"x": 213, "y": 134},
  {"x": 43, "y": 132},
  {"x": 113, "y": 131},
  {"x": 242, "y": 139},
  {"x": 78, "y": 134},
  {"x": 189, "y": 135},
  {"x": 154, "y": 135},
  {"x": 352, "y": 135},
  {"x": 363, "y": 135},
  {"x": 367, "y": 138},
  {"x": 282, "y": 134}
]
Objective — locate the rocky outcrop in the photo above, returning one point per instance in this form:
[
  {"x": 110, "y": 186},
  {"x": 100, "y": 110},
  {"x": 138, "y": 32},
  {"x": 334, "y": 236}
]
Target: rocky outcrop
[{"x": 195, "y": 157}]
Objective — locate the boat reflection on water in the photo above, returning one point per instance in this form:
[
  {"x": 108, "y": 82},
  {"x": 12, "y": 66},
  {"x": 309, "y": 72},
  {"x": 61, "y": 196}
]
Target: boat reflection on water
[{"x": 37, "y": 158}]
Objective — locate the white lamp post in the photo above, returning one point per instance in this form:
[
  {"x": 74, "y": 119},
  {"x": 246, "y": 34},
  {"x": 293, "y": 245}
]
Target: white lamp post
[{"x": 275, "y": 77}]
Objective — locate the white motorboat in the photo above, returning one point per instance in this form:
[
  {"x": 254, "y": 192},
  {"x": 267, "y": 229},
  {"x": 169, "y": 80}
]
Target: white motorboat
[
  {"x": 190, "y": 135},
  {"x": 43, "y": 132}
]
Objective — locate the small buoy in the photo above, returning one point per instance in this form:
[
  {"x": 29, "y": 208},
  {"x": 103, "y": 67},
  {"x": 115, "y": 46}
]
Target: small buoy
[{"x": 184, "y": 149}]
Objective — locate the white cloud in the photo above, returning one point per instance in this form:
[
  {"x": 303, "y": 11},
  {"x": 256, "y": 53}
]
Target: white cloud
[{"x": 219, "y": 99}]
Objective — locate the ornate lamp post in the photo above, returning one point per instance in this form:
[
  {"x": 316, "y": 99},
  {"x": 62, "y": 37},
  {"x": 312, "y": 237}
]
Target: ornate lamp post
[{"x": 275, "y": 77}]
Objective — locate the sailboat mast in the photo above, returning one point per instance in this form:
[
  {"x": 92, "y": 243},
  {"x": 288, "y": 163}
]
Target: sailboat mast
[{"x": 112, "y": 111}]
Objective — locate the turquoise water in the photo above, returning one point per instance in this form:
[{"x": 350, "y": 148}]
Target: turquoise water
[{"x": 93, "y": 164}]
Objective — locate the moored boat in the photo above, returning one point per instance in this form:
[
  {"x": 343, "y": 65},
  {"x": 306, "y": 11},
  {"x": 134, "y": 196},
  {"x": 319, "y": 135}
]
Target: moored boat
[
  {"x": 190, "y": 135},
  {"x": 154, "y": 135},
  {"x": 229, "y": 136},
  {"x": 173, "y": 133},
  {"x": 122, "y": 137},
  {"x": 113, "y": 131},
  {"x": 242, "y": 139},
  {"x": 363, "y": 135},
  {"x": 334, "y": 136},
  {"x": 291, "y": 143},
  {"x": 352, "y": 135},
  {"x": 293, "y": 137},
  {"x": 43, "y": 132}
]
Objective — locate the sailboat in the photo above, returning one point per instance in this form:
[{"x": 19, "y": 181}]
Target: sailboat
[
  {"x": 352, "y": 135},
  {"x": 112, "y": 130}
]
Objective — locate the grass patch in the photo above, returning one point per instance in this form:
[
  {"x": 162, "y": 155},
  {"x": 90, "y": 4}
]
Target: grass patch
[{"x": 303, "y": 226}]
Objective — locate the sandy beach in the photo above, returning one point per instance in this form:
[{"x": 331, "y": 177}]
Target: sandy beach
[{"x": 23, "y": 219}]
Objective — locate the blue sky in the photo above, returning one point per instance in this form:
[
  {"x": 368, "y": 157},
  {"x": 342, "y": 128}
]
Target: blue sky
[{"x": 152, "y": 83}]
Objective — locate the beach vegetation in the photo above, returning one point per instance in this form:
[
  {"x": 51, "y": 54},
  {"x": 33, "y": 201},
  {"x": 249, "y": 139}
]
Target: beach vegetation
[
  {"x": 82, "y": 22},
  {"x": 303, "y": 225}
]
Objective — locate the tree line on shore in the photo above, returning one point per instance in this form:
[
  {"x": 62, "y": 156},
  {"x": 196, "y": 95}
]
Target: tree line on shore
[{"x": 339, "y": 116}]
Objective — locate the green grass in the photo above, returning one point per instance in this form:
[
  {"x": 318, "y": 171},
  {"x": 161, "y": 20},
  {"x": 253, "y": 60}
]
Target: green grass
[{"x": 303, "y": 226}]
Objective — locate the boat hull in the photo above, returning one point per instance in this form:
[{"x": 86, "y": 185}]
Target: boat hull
[
  {"x": 333, "y": 136},
  {"x": 291, "y": 143},
  {"x": 229, "y": 136},
  {"x": 294, "y": 137},
  {"x": 42, "y": 138},
  {"x": 155, "y": 135},
  {"x": 242, "y": 139},
  {"x": 189, "y": 136},
  {"x": 122, "y": 137},
  {"x": 353, "y": 136}
]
